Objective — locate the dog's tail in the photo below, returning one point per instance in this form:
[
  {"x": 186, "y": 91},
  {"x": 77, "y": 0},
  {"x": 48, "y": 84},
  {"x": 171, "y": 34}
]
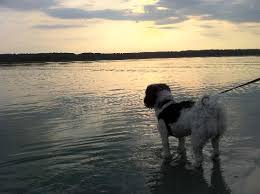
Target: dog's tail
[
  {"x": 205, "y": 100},
  {"x": 210, "y": 101},
  {"x": 214, "y": 110}
]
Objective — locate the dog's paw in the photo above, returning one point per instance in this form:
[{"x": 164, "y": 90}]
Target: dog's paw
[
  {"x": 178, "y": 159},
  {"x": 166, "y": 155},
  {"x": 189, "y": 166},
  {"x": 215, "y": 157},
  {"x": 181, "y": 151},
  {"x": 194, "y": 166},
  {"x": 197, "y": 165}
]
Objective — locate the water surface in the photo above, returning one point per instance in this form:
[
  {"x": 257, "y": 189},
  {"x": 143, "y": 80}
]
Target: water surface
[{"x": 82, "y": 127}]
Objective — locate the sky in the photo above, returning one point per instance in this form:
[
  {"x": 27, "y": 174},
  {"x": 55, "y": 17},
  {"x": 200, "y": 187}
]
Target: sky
[{"x": 33, "y": 26}]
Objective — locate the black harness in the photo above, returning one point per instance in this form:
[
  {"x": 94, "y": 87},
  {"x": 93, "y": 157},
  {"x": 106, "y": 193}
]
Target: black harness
[{"x": 172, "y": 112}]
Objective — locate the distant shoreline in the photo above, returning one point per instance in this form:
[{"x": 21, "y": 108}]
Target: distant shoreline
[{"x": 69, "y": 57}]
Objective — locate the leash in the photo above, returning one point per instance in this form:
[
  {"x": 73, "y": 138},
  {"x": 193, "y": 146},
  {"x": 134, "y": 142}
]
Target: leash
[
  {"x": 206, "y": 98},
  {"x": 247, "y": 83}
]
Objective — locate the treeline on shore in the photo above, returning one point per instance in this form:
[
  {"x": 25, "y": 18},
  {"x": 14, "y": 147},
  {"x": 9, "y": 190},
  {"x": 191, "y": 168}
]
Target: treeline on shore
[{"x": 65, "y": 57}]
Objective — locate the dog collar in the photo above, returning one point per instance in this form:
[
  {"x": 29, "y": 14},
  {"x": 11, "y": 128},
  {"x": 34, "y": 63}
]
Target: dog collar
[{"x": 162, "y": 103}]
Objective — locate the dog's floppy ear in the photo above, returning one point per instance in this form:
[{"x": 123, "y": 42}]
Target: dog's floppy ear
[
  {"x": 151, "y": 93},
  {"x": 164, "y": 87},
  {"x": 150, "y": 96}
]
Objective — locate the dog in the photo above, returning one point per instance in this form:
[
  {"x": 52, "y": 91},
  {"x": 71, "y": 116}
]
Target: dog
[{"x": 203, "y": 120}]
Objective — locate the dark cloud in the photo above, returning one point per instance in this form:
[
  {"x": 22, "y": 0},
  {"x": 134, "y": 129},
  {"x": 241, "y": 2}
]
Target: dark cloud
[
  {"x": 74, "y": 13},
  {"x": 151, "y": 14},
  {"x": 232, "y": 10},
  {"x": 177, "y": 10},
  {"x": 24, "y": 5},
  {"x": 170, "y": 20},
  {"x": 56, "y": 26}
]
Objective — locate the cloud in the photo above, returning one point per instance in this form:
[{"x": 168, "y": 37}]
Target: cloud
[
  {"x": 151, "y": 13},
  {"x": 253, "y": 28},
  {"x": 167, "y": 27},
  {"x": 174, "y": 11},
  {"x": 232, "y": 10},
  {"x": 25, "y": 5},
  {"x": 170, "y": 20},
  {"x": 74, "y": 13},
  {"x": 56, "y": 26}
]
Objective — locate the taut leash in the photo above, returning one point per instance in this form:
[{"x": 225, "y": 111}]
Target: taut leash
[{"x": 247, "y": 83}]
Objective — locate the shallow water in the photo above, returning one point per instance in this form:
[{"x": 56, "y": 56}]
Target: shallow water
[{"x": 82, "y": 127}]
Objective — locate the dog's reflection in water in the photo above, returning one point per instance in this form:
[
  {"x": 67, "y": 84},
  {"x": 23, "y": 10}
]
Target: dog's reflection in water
[{"x": 178, "y": 179}]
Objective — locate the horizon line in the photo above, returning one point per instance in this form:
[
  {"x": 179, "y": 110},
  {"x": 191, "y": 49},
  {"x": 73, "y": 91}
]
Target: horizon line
[{"x": 134, "y": 52}]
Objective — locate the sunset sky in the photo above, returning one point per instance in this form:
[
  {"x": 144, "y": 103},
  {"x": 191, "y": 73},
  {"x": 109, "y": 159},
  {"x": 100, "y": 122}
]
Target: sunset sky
[{"x": 31, "y": 26}]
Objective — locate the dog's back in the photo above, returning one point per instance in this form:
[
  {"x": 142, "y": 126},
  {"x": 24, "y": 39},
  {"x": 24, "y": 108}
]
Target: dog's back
[{"x": 208, "y": 115}]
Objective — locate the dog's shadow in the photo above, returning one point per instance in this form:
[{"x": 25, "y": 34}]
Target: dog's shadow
[{"x": 178, "y": 179}]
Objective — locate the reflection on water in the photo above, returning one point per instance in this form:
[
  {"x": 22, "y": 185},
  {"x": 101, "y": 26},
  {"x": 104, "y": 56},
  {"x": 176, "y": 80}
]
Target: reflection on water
[
  {"x": 178, "y": 179},
  {"x": 83, "y": 128}
]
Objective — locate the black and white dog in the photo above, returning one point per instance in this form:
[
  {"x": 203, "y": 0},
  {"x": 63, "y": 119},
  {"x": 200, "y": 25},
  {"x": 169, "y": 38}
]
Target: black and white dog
[{"x": 204, "y": 120}]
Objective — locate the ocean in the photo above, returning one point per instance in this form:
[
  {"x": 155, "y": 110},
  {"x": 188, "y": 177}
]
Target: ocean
[{"x": 81, "y": 127}]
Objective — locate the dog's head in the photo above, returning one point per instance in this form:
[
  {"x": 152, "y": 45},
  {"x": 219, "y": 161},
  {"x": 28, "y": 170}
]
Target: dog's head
[{"x": 151, "y": 94}]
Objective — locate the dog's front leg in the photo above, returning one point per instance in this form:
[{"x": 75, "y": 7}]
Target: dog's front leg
[
  {"x": 215, "y": 145},
  {"x": 165, "y": 141},
  {"x": 181, "y": 146}
]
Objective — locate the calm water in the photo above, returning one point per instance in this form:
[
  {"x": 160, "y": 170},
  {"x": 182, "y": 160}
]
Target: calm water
[{"x": 82, "y": 127}]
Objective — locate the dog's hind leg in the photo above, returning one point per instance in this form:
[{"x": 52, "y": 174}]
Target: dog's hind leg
[
  {"x": 215, "y": 146},
  {"x": 197, "y": 151},
  {"x": 197, "y": 146},
  {"x": 181, "y": 146}
]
